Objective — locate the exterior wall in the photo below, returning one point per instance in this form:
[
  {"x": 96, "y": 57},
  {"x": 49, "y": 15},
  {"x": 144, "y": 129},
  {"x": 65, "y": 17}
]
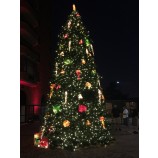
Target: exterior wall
[
  {"x": 32, "y": 107},
  {"x": 45, "y": 33},
  {"x": 35, "y": 54}
]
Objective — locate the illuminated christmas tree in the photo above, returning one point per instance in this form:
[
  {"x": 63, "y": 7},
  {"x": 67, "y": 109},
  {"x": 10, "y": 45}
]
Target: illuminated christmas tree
[{"x": 75, "y": 115}]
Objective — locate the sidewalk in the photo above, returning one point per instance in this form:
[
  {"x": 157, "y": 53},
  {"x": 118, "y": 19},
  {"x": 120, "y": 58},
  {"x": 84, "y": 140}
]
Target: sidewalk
[{"x": 125, "y": 146}]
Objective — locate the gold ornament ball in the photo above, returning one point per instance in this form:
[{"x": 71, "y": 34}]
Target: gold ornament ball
[
  {"x": 88, "y": 85},
  {"x": 83, "y": 61},
  {"x": 66, "y": 123},
  {"x": 62, "y": 72}
]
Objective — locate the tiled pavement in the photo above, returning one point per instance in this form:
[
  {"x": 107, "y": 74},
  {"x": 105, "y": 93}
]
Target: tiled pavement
[{"x": 125, "y": 146}]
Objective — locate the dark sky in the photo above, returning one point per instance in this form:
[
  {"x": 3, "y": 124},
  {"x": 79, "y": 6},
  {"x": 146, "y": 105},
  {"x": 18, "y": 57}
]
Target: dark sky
[{"x": 114, "y": 29}]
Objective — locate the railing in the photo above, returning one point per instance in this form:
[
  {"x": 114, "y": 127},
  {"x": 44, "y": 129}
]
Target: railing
[{"x": 30, "y": 113}]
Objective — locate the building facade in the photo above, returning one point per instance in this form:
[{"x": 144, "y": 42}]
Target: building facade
[{"x": 35, "y": 58}]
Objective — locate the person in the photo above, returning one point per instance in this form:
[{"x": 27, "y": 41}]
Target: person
[
  {"x": 116, "y": 117},
  {"x": 125, "y": 116},
  {"x": 135, "y": 120}
]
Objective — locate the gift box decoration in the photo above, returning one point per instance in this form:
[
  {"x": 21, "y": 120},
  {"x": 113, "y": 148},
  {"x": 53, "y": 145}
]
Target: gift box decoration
[{"x": 43, "y": 143}]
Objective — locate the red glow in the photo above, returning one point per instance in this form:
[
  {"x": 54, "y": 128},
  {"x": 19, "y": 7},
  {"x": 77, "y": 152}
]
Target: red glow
[
  {"x": 36, "y": 95},
  {"x": 25, "y": 83},
  {"x": 34, "y": 92},
  {"x": 36, "y": 110}
]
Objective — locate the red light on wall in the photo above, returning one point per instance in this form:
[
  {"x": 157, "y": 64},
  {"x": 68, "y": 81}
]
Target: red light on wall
[
  {"x": 34, "y": 92},
  {"x": 36, "y": 96},
  {"x": 36, "y": 110},
  {"x": 22, "y": 82}
]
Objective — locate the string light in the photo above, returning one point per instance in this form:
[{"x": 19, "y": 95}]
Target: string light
[{"x": 72, "y": 119}]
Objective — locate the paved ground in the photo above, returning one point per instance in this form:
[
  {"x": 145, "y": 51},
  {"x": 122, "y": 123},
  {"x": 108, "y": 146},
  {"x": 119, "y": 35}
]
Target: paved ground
[{"x": 125, "y": 146}]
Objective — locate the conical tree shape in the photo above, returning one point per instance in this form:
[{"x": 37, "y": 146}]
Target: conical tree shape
[{"x": 75, "y": 115}]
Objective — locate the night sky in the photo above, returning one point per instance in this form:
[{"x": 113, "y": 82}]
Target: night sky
[{"x": 114, "y": 29}]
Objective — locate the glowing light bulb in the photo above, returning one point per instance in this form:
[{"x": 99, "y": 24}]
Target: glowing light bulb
[{"x": 74, "y": 7}]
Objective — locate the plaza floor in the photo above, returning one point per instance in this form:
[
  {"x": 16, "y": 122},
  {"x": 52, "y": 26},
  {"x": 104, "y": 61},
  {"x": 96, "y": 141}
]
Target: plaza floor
[{"x": 126, "y": 145}]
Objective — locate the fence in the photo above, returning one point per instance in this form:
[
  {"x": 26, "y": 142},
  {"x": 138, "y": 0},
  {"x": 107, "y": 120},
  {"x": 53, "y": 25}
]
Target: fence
[{"x": 29, "y": 113}]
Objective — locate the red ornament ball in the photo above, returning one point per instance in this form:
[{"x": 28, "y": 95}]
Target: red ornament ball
[
  {"x": 81, "y": 41},
  {"x": 82, "y": 108},
  {"x": 66, "y": 36}
]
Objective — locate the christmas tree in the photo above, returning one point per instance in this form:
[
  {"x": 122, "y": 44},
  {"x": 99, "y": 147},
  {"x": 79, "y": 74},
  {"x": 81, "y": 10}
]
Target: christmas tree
[{"x": 75, "y": 115}]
